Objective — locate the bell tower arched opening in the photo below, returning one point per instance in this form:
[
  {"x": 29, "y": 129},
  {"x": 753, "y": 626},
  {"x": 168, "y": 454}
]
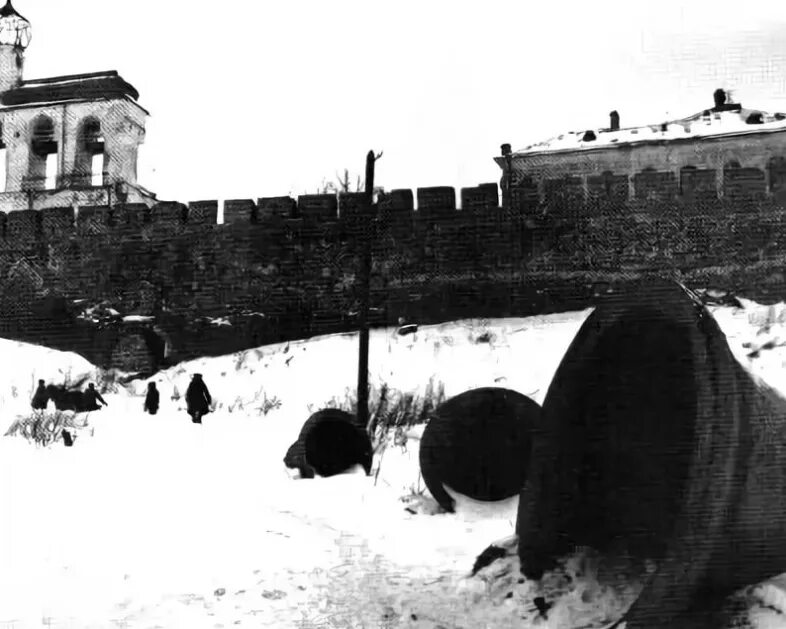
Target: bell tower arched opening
[
  {"x": 90, "y": 162},
  {"x": 42, "y": 164}
]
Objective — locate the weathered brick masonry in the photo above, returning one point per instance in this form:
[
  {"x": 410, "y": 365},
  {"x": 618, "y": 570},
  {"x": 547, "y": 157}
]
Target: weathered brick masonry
[{"x": 283, "y": 268}]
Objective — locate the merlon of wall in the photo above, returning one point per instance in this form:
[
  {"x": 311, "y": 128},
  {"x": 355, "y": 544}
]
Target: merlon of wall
[
  {"x": 352, "y": 206},
  {"x": 277, "y": 207},
  {"x": 202, "y": 213},
  {"x": 308, "y": 214},
  {"x": 483, "y": 197},
  {"x": 23, "y": 226},
  {"x": 399, "y": 200},
  {"x": 436, "y": 200},
  {"x": 317, "y": 207},
  {"x": 240, "y": 211},
  {"x": 169, "y": 213}
]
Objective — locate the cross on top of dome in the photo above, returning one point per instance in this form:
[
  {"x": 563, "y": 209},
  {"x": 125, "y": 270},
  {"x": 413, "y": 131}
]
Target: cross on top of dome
[{"x": 14, "y": 28}]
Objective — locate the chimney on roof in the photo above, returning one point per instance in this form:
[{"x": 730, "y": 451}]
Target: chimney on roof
[
  {"x": 505, "y": 149},
  {"x": 719, "y": 96},
  {"x": 615, "y": 120}
]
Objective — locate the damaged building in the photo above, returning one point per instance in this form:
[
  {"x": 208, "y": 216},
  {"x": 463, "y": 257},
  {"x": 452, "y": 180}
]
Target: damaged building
[{"x": 724, "y": 152}]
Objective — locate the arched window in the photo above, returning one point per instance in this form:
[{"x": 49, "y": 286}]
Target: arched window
[
  {"x": 90, "y": 156},
  {"x": 42, "y": 165},
  {"x": 608, "y": 186},
  {"x": 651, "y": 184},
  {"x": 687, "y": 180}
]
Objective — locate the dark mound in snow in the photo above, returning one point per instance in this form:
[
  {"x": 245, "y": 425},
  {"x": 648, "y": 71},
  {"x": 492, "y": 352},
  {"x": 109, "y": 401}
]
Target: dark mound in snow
[
  {"x": 478, "y": 444},
  {"x": 335, "y": 446},
  {"x": 655, "y": 439},
  {"x": 330, "y": 442}
]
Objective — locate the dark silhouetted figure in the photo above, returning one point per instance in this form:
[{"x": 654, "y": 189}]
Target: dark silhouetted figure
[
  {"x": 91, "y": 398},
  {"x": 151, "y": 399},
  {"x": 197, "y": 398},
  {"x": 65, "y": 399},
  {"x": 68, "y": 438},
  {"x": 40, "y": 397}
]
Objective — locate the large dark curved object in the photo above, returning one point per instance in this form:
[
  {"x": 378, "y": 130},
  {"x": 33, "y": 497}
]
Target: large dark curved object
[
  {"x": 333, "y": 447},
  {"x": 655, "y": 438},
  {"x": 330, "y": 442},
  {"x": 478, "y": 444},
  {"x": 295, "y": 459}
]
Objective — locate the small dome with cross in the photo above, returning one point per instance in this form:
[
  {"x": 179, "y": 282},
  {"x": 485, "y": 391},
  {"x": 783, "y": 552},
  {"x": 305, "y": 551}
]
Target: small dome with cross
[{"x": 14, "y": 28}]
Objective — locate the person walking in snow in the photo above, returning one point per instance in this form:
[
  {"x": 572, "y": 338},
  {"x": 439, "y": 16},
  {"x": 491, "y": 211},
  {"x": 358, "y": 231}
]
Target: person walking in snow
[
  {"x": 151, "y": 399},
  {"x": 40, "y": 397},
  {"x": 91, "y": 398},
  {"x": 197, "y": 398}
]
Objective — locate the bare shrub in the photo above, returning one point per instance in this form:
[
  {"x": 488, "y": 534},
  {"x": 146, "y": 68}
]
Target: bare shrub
[
  {"x": 390, "y": 409},
  {"x": 41, "y": 427},
  {"x": 391, "y": 414}
]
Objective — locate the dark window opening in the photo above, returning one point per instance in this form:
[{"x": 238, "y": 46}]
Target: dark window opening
[
  {"x": 652, "y": 185},
  {"x": 43, "y": 159},
  {"x": 697, "y": 184},
  {"x": 90, "y": 162},
  {"x": 44, "y": 138}
]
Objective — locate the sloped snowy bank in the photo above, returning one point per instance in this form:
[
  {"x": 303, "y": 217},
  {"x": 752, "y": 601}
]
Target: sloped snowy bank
[{"x": 156, "y": 522}]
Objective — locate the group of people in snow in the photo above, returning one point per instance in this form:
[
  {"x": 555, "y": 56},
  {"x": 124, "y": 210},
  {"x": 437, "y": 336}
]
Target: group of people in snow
[
  {"x": 198, "y": 398},
  {"x": 64, "y": 399}
]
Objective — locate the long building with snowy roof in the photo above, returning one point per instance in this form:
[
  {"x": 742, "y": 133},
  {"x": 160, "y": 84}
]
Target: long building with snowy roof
[{"x": 726, "y": 151}]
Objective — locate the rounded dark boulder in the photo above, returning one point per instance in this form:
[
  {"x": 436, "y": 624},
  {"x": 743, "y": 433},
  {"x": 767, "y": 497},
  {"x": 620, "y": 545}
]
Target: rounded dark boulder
[
  {"x": 478, "y": 443},
  {"x": 330, "y": 442}
]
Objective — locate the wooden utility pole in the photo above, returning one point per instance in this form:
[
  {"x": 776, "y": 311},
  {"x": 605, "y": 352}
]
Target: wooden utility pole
[{"x": 366, "y": 223}]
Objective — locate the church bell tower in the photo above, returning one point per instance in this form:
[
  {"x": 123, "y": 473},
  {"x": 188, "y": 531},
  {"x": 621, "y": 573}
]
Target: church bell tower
[{"x": 65, "y": 141}]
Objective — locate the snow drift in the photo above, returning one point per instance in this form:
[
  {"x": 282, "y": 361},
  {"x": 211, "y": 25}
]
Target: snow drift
[
  {"x": 24, "y": 364},
  {"x": 155, "y": 522}
]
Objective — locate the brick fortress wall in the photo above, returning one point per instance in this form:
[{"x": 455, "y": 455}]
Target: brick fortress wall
[{"x": 282, "y": 268}]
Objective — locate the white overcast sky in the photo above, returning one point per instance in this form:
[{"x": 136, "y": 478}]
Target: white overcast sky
[{"x": 267, "y": 98}]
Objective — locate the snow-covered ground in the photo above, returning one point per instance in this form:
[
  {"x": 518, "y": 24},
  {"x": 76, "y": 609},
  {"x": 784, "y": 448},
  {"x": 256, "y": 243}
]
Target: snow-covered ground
[{"x": 157, "y": 522}]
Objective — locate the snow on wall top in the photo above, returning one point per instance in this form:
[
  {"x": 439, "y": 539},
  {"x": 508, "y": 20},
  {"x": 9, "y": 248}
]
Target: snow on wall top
[{"x": 705, "y": 124}]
